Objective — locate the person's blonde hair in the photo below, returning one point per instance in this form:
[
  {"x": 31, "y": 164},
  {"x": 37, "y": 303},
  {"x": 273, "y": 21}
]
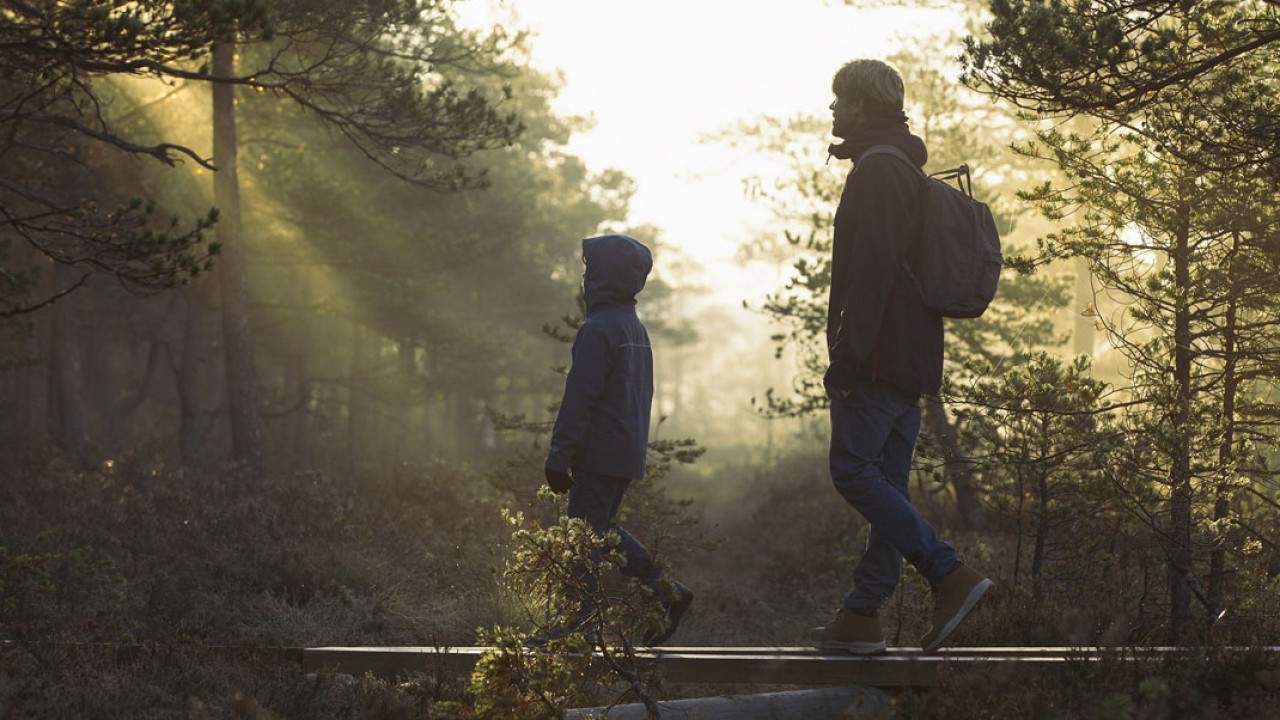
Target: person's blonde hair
[{"x": 874, "y": 82}]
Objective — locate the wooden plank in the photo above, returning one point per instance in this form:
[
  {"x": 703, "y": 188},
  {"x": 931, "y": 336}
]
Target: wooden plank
[
  {"x": 787, "y": 669},
  {"x": 391, "y": 661},
  {"x": 706, "y": 665},
  {"x": 757, "y": 665},
  {"x": 763, "y": 665},
  {"x": 1059, "y": 651}
]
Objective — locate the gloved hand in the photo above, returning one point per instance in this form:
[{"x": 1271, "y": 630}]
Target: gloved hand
[{"x": 559, "y": 481}]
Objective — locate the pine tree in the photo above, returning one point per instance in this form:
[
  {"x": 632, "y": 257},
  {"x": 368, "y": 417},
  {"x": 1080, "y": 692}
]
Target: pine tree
[{"x": 1187, "y": 255}]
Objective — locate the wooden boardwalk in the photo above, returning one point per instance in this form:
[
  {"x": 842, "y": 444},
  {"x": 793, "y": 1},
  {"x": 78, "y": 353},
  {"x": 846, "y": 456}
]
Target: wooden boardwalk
[
  {"x": 900, "y": 667},
  {"x": 802, "y": 666}
]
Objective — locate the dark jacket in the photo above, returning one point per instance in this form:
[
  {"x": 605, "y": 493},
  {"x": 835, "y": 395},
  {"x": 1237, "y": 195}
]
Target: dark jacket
[
  {"x": 603, "y": 424},
  {"x": 877, "y": 325}
]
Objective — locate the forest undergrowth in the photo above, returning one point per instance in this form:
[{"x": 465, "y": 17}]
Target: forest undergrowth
[{"x": 173, "y": 564}]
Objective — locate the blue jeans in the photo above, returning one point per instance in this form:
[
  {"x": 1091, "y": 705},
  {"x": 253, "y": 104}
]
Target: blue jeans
[
  {"x": 873, "y": 435},
  {"x": 596, "y": 498}
]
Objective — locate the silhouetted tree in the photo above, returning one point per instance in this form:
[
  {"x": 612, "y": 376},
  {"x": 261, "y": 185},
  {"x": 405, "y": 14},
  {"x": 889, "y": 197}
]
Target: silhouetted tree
[
  {"x": 1123, "y": 61},
  {"x": 1189, "y": 256},
  {"x": 379, "y": 74}
]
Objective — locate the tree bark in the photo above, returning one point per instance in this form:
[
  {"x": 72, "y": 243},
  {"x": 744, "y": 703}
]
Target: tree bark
[
  {"x": 28, "y": 417},
  {"x": 242, "y": 397},
  {"x": 69, "y": 414},
  {"x": 956, "y": 469},
  {"x": 406, "y": 370},
  {"x": 297, "y": 394},
  {"x": 358, "y": 406},
  {"x": 1179, "y": 537},
  {"x": 187, "y": 377},
  {"x": 1042, "y": 534},
  {"x": 1230, "y": 386}
]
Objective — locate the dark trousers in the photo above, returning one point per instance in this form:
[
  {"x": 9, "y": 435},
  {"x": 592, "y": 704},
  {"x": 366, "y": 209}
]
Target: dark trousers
[
  {"x": 596, "y": 498},
  {"x": 873, "y": 436}
]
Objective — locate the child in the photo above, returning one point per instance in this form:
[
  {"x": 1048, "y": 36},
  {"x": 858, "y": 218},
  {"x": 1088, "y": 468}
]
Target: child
[{"x": 601, "y": 436}]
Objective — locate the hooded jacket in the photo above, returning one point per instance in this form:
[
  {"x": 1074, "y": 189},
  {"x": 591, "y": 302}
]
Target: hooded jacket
[
  {"x": 603, "y": 423},
  {"x": 877, "y": 326}
]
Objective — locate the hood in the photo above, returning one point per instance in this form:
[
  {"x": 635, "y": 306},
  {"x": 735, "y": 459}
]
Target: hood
[
  {"x": 882, "y": 130},
  {"x": 617, "y": 267}
]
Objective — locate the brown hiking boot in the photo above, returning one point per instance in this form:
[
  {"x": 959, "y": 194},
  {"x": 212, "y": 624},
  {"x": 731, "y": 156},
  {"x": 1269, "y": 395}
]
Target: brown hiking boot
[
  {"x": 852, "y": 631},
  {"x": 673, "y": 609},
  {"x": 953, "y": 597}
]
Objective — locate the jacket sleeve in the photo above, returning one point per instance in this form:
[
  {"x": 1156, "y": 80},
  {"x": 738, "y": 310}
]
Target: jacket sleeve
[
  {"x": 583, "y": 386},
  {"x": 882, "y": 196}
]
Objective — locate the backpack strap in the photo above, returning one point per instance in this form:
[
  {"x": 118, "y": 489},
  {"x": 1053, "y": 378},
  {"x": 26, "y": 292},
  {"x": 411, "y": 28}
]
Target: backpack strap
[
  {"x": 892, "y": 151},
  {"x": 912, "y": 259}
]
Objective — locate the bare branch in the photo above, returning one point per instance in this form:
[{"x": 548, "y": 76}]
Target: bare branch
[
  {"x": 162, "y": 151},
  {"x": 23, "y": 309}
]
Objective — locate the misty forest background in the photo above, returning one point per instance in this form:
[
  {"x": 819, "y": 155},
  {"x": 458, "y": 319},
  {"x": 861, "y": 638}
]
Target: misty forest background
[{"x": 286, "y": 290}]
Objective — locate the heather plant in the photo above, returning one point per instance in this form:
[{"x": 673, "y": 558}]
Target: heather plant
[
  {"x": 554, "y": 578},
  {"x": 166, "y": 566},
  {"x": 39, "y": 587}
]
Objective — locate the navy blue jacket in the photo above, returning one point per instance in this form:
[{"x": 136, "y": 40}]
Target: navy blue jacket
[
  {"x": 603, "y": 423},
  {"x": 877, "y": 326}
]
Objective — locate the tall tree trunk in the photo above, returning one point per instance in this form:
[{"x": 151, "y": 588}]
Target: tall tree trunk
[
  {"x": 1230, "y": 386},
  {"x": 242, "y": 398},
  {"x": 1179, "y": 542},
  {"x": 121, "y": 407},
  {"x": 956, "y": 469},
  {"x": 29, "y": 420},
  {"x": 406, "y": 372},
  {"x": 188, "y": 378},
  {"x": 1043, "y": 525},
  {"x": 296, "y": 391},
  {"x": 1019, "y": 515},
  {"x": 69, "y": 415},
  {"x": 68, "y": 411},
  {"x": 358, "y": 406},
  {"x": 297, "y": 395}
]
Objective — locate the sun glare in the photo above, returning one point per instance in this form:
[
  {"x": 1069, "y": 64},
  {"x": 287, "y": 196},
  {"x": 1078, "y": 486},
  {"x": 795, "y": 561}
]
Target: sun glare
[{"x": 658, "y": 77}]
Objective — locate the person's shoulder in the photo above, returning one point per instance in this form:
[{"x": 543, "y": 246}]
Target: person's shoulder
[
  {"x": 881, "y": 173},
  {"x": 879, "y": 163},
  {"x": 604, "y": 323},
  {"x": 618, "y": 322},
  {"x": 591, "y": 326}
]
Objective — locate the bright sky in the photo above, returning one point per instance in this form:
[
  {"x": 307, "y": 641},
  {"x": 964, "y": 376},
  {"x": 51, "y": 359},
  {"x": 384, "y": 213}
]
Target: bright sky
[{"x": 659, "y": 75}]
